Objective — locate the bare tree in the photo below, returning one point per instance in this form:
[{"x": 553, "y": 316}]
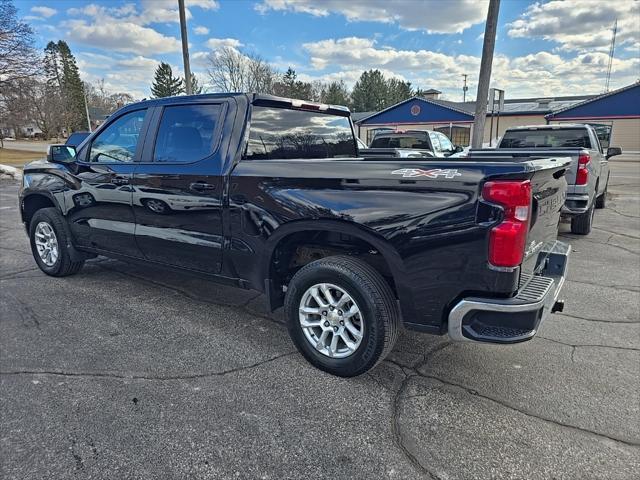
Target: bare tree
[
  {"x": 232, "y": 71},
  {"x": 18, "y": 58}
]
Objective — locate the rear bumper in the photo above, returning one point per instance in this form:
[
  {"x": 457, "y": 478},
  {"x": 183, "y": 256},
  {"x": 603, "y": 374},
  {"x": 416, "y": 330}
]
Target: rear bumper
[
  {"x": 575, "y": 204},
  {"x": 515, "y": 319}
]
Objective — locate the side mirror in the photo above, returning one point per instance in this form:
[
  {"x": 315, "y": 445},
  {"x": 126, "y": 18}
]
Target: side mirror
[
  {"x": 458, "y": 149},
  {"x": 613, "y": 151},
  {"x": 61, "y": 153}
]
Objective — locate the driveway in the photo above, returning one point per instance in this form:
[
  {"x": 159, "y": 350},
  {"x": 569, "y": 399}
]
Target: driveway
[{"x": 132, "y": 372}]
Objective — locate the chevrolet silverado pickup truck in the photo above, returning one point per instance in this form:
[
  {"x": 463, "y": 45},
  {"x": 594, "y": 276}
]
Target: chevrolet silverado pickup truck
[
  {"x": 269, "y": 193},
  {"x": 588, "y": 174},
  {"x": 411, "y": 143}
]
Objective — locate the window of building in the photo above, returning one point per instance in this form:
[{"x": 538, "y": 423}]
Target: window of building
[
  {"x": 279, "y": 133},
  {"x": 186, "y": 133}
]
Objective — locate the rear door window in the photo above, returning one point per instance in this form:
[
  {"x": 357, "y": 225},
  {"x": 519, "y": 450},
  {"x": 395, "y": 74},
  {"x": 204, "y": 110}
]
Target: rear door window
[
  {"x": 186, "y": 133},
  {"x": 547, "y": 138},
  {"x": 279, "y": 133}
]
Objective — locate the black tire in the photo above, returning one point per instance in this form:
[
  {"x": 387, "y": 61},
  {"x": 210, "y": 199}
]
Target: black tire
[
  {"x": 374, "y": 298},
  {"x": 63, "y": 265},
  {"x": 581, "y": 224},
  {"x": 601, "y": 201}
]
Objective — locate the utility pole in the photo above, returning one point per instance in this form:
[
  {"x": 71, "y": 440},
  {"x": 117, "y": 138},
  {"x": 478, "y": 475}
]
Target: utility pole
[
  {"x": 485, "y": 73},
  {"x": 86, "y": 105},
  {"x": 464, "y": 88},
  {"x": 185, "y": 47}
]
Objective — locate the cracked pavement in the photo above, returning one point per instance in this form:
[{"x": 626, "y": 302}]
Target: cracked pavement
[{"x": 125, "y": 371}]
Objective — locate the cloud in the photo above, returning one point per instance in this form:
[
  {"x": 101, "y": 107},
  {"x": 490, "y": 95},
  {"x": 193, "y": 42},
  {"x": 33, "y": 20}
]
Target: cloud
[
  {"x": 537, "y": 74},
  {"x": 152, "y": 11},
  {"x": 45, "y": 12},
  {"x": 199, "y": 30},
  {"x": 435, "y": 17},
  {"x": 358, "y": 52},
  {"x": 579, "y": 24},
  {"x": 216, "y": 43},
  {"x": 121, "y": 36}
]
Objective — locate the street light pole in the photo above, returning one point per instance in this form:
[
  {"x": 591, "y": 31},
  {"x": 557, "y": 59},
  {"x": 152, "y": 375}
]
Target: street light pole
[
  {"x": 485, "y": 73},
  {"x": 185, "y": 47}
]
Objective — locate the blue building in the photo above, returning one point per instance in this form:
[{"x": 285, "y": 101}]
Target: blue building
[{"x": 616, "y": 112}]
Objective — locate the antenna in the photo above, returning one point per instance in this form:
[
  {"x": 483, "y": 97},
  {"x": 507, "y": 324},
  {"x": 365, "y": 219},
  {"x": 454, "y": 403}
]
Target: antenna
[
  {"x": 611, "y": 49},
  {"x": 464, "y": 88}
]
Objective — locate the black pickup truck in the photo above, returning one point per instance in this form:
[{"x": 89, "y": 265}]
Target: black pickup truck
[{"x": 269, "y": 193}]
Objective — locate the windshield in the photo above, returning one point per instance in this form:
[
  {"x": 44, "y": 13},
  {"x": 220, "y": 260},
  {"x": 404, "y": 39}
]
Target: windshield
[
  {"x": 546, "y": 138},
  {"x": 401, "y": 141}
]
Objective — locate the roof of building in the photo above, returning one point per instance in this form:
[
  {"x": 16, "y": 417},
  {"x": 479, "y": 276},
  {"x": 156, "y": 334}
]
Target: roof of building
[
  {"x": 445, "y": 113},
  {"x": 523, "y": 106},
  {"x": 627, "y": 103},
  {"x": 515, "y": 106},
  {"x": 432, "y": 90},
  {"x": 357, "y": 116}
]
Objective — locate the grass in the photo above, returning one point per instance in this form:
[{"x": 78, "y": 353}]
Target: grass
[{"x": 18, "y": 158}]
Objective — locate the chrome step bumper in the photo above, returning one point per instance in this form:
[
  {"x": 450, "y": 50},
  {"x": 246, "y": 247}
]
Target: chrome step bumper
[{"x": 515, "y": 319}]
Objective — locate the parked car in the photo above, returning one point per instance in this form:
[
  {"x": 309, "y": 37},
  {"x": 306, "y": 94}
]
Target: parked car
[
  {"x": 76, "y": 138},
  {"x": 588, "y": 175},
  {"x": 351, "y": 248},
  {"x": 435, "y": 144}
]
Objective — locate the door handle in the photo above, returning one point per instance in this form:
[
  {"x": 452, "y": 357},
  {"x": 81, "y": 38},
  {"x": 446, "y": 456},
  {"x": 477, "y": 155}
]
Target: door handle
[
  {"x": 201, "y": 186},
  {"x": 120, "y": 180}
]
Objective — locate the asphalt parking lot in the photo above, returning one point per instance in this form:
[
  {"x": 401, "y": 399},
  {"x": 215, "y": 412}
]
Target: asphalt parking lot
[{"x": 130, "y": 372}]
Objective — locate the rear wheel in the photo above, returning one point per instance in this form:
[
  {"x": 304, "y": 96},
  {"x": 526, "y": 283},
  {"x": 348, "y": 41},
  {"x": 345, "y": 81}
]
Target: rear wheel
[
  {"x": 50, "y": 244},
  {"x": 581, "y": 224},
  {"x": 601, "y": 201},
  {"x": 342, "y": 315}
]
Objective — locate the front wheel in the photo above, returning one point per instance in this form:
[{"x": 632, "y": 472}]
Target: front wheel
[
  {"x": 50, "y": 244},
  {"x": 342, "y": 315}
]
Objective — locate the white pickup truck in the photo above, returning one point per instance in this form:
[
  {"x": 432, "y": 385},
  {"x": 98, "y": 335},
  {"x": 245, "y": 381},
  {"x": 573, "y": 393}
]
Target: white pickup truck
[{"x": 588, "y": 175}]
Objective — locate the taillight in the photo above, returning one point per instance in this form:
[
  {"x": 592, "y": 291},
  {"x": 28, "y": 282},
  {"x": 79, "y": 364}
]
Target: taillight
[
  {"x": 582, "y": 174},
  {"x": 507, "y": 240}
]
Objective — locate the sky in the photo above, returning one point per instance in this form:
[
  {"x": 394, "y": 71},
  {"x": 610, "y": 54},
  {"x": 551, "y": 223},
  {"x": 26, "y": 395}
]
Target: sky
[{"x": 543, "y": 48}]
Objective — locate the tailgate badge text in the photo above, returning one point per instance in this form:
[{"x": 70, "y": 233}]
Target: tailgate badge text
[{"x": 433, "y": 173}]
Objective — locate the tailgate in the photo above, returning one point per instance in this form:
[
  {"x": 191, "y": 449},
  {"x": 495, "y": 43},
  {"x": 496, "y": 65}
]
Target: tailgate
[
  {"x": 537, "y": 153},
  {"x": 549, "y": 190}
]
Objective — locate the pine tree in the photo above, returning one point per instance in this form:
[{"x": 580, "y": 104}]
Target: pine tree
[
  {"x": 370, "y": 92},
  {"x": 64, "y": 85},
  {"x": 164, "y": 83},
  {"x": 336, "y": 93},
  {"x": 397, "y": 91},
  {"x": 196, "y": 88},
  {"x": 72, "y": 89}
]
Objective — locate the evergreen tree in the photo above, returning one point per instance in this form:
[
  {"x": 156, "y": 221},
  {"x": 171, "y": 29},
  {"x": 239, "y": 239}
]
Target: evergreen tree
[
  {"x": 370, "y": 92},
  {"x": 64, "y": 85},
  {"x": 289, "y": 86},
  {"x": 336, "y": 93},
  {"x": 72, "y": 89},
  {"x": 196, "y": 88},
  {"x": 165, "y": 84},
  {"x": 397, "y": 91}
]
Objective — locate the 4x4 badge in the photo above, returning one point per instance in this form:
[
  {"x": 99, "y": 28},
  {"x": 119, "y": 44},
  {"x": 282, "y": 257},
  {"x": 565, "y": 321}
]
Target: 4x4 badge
[{"x": 434, "y": 173}]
